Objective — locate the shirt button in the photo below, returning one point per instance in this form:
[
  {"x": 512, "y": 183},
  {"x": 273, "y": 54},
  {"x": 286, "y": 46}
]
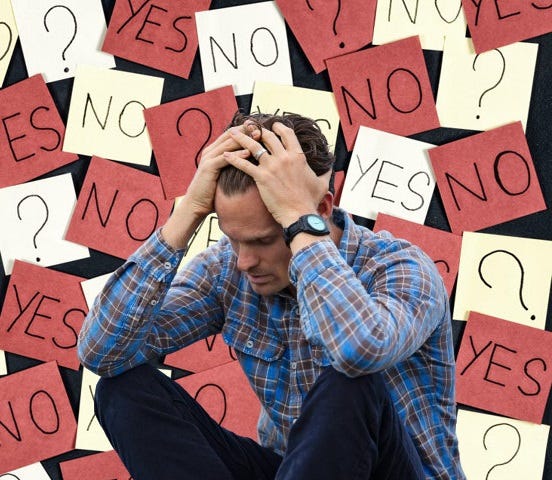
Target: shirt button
[
  {"x": 153, "y": 302},
  {"x": 167, "y": 265},
  {"x": 293, "y": 365},
  {"x": 249, "y": 344}
]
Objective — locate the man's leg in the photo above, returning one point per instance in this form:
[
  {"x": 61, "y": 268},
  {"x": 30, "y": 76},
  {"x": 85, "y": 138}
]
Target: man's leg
[
  {"x": 349, "y": 429},
  {"x": 160, "y": 432}
]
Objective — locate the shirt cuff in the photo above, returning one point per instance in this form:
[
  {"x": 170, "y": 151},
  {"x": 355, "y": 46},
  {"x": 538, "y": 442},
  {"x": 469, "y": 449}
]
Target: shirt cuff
[
  {"x": 312, "y": 260},
  {"x": 157, "y": 258}
]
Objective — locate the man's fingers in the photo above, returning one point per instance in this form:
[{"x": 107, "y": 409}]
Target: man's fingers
[
  {"x": 287, "y": 137},
  {"x": 233, "y": 158}
]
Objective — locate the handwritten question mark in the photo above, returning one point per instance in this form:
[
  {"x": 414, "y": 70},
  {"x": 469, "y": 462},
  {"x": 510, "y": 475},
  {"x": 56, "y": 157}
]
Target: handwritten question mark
[
  {"x": 47, "y": 212},
  {"x": 499, "y": 79},
  {"x": 74, "y": 34},
  {"x": 522, "y": 271},
  {"x": 193, "y": 109},
  {"x": 515, "y": 453},
  {"x": 10, "y": 38},
  {"x": 334, "y": 23}
]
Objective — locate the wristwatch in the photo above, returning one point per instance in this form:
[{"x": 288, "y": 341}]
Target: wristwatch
[{"x": 311, "y": 223}]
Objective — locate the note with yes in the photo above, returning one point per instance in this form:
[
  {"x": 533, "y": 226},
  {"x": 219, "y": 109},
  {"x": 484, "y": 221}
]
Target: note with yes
[
  {"x": 504, "y": 276},
  {"x": 327, "y": 29},
  {"x": 241, "y": 44},
  {"x": 431, "y": 21},
  {"x": 35, "y": 216},
  {"x": 443, "y": 247},
  {"x": 106, "y": 116},
  {"x": 32, "y": 132},
  {"x": 207, "y": 233},
  {"x": 386, "y": 87},
  {"x": 57, "y": 35},
  {"x": 486, "y": 179},
  {"x": 496, "y": 447},
  {"x": 8, "y": 37},
  {"x": 389, "y": 174},
  {"x": 504, "y": 367},
  {"x": 118, "y": 208},
  {"x": 42, "y": 314},
  {"x": 316, "y": 104},
  {"x": 181, "y": 129},
  {"x": 495, "y": 24},
  {"x": 37, "y": 417},
  {"x": 161, "y": 34},
  {"x": 487, "y": 90}
]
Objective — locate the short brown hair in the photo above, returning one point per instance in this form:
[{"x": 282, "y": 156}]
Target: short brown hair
[{"x": 313, "y": 143}]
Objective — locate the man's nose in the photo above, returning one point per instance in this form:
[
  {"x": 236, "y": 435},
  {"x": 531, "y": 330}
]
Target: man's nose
[{"x": 247, "y": 258}]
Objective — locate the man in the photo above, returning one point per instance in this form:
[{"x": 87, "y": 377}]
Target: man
[{"x": 344, "y": 334}]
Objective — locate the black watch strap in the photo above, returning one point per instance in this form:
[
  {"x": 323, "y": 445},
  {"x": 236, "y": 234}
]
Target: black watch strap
[{"x": 310, "y": 223}]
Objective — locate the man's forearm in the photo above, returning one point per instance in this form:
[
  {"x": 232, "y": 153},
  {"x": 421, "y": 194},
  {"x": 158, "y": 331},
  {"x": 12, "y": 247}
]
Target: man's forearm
[{"x": 181, "y": 225}]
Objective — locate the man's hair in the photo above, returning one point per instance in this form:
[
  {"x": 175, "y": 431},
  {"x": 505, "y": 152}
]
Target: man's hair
[{"x": 313, "y": 144}]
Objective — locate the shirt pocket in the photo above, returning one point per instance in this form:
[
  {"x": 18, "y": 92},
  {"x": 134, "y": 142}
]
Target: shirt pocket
[{"x": 260, "y": 356}]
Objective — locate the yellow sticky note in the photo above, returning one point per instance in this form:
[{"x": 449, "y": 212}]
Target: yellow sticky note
[
  {"x": 485, "y": 91},
  {"x": 492, "y": 446},
  {"x": 8, "y": 37},
  {"x": 504, "y": 276},
  {"x": 106, "y": 114},
  {"x": 431, "y": 21},
  {"x": 316, "y": 104}
]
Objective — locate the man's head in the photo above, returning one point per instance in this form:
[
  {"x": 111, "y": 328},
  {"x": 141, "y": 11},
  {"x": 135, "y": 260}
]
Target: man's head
[{"x": 256, "y": 237}]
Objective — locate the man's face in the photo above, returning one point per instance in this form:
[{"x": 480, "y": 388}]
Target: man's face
[{"x": 256, "y": 238}]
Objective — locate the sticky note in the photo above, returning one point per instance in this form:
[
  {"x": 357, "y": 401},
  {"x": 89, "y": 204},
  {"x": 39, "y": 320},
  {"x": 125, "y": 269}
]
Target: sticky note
[
  {"x": 325, "y": 29},
  {"x": 504, "y": 367},
  {"x": 161, "y": 35},
  {"x": 241, "y": 44},
  {"x": 106, "y": 114},
  {"x": 35, "y": 216},
  {"x": 390, "y": 174},
  {"x": 8, "y": 37},
  {"x": 118, "y": 208},
  {"x": 37, "y": 417},
  {"x": 42, "y": 314},
  {"x": 386, "y": 88},
  {"x": 504, "y": 276},
  {"x": 181, "y": 129},
  {"x": 107, "y": 464}
]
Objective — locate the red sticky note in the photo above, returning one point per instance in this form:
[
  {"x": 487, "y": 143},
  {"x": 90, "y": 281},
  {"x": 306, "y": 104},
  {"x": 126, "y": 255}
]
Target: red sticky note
[
  {"x": 201, "y": 355},
  {"x": 504, "y": 367},
  {"x": 31, "y": 132},
  {"x": 118, "y": 208},
  {"x": 386, "y": 88},
  {"x": 179, "y": 131},
  {"x": 487, "y": 178},
  {"x": 97, "y": 466},
  {"x": 161, "y": 35},
  {"x": 494, "y": 24},
  {"x": 36, "y": 418},
  {"x": 442, "y": 247},
  {"x": 329, "y": 29},
  {"x": 42, "y": 314},
  {"x": 339, "y": 181},
  {"x": 224, "y": 392}
]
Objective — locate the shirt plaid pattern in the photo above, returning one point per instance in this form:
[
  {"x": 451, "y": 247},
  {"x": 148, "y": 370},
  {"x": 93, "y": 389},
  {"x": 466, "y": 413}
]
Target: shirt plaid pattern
[{"x": 374, "y": 303}]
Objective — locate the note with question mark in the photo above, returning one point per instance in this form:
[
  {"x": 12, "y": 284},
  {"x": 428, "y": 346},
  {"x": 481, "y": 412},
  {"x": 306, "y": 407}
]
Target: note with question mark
[
  {"x": 504, "y": 276},
  {"x": 493, "y": 447},
  {"x": 8, "y": 37},
  {"x": 487, "y": 90},
  {"x": 35, "y": 216},
  {"x": 181, "y": 129},
  {"x": 56, "y": 35}
]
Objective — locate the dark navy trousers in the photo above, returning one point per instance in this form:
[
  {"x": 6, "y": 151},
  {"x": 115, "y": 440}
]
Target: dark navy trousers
[{"x": 348, "y": 429}]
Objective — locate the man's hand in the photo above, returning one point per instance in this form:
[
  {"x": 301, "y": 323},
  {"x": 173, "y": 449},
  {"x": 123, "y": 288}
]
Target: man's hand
[{"x": 288, "y": 186}]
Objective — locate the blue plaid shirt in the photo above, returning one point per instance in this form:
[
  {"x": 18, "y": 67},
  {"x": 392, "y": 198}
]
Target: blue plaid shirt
[{"x": 374, "y": 303}]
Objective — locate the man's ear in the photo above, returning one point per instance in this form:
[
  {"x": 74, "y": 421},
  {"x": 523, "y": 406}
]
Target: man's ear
[{"x": 325, "y": 207}]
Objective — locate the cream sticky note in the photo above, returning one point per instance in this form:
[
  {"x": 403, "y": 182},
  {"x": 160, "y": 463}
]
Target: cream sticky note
[
  {"x": 3, "y": 366},
  {"x": 431, "y": 21},
  {"x": 106, "y": 114},
  {"x": 487, "y": 90},
  {"x": 91, "y": 287},
  {"x": 494, "y": 447},
  {"x": 34, "y": 471},
  {"x": 205, "y": 235},
  {"x": 319, "y": 105},
  {"x": 241, "y": 44},
  {"x": 8, "y": 37},
  {"x": 35, "y": 216},
  {"x": 57, "y": 35},
  {"x": 504, "y": 276},
  {"x": 390, "y": 174}
]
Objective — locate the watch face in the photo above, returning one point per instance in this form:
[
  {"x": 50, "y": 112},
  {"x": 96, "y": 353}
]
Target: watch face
[{"x": 316, "y": 222}]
